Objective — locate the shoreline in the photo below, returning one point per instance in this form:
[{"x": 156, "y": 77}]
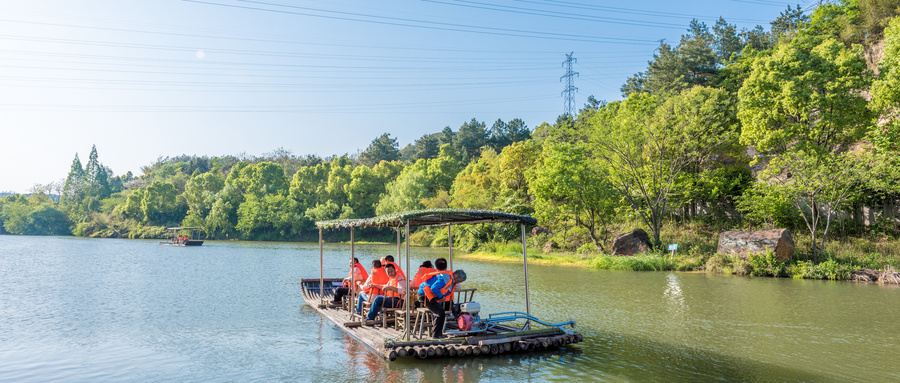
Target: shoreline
[{"x": 840, "y": 272}]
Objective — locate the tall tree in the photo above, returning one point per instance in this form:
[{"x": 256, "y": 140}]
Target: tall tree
[
  {"x": 383, "y": 148},
  {"x": 73, "y": 190},
  {"x": 470, "y": 138},
  {"x": 803, "y": 106},
  {"x": 647, "y": 144}
]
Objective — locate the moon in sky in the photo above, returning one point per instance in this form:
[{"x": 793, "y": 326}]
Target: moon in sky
[{"x": 200, "y": 53}]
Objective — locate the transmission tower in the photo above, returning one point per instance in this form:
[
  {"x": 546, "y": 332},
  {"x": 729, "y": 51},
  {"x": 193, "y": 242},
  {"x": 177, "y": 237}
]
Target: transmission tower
[{"x": 569, "y": 92}]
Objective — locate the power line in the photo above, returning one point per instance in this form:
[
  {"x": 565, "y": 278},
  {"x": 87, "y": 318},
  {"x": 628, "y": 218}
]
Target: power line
[{"x": 424, "y": 24}]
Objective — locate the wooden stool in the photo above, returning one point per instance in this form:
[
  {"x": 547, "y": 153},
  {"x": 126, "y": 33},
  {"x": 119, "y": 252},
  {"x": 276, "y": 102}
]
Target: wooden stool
[{"x": 424, "y": 321}]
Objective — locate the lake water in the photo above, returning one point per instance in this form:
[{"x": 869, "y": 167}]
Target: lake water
[{"x": 88, "y": 310}]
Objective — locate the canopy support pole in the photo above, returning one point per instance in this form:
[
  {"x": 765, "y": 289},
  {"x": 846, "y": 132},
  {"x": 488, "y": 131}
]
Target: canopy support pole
[
  {"x": 321, "y": 269},
  {"x": 352, "y": 274},
  {"x": 525, "y": 261},
  {"x": 399, "y": 253},
  {"x": 406, "y": 332},
  {"x": 450, "y": 244}
]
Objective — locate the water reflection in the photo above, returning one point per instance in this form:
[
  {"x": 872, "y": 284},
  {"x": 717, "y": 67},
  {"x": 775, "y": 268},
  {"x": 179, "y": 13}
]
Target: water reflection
[{"x": 674, "y": 297}]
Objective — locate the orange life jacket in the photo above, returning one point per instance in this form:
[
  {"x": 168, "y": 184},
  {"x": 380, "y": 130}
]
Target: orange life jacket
[
  {"x": 392, "y": 283},
  {"x": 397, "y": 268},
  {"x": 379, "y": 277},
  {"x": 362, "y": 270},
  {"x": 420, "y": 276},
  {"x": 444, "y": 290}
]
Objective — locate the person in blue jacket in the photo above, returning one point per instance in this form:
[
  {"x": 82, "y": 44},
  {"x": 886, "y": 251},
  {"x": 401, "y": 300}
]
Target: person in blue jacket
[{"x": 435, "y": 290}]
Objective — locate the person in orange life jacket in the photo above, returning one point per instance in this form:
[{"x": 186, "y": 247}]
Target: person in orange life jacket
[
  {"x": 358, "y": 274},
  {"x": 393, "y": 291},
  {"x": 425, "y": 268},
  {"x": 437, "y": 286},
  {"x": 389, "y": 260},
  {"x": 376, "y": 278}
]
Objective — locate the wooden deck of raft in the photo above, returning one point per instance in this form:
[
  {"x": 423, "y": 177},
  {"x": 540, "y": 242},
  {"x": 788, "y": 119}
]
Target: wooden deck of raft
[{"x": 386, "y": 341}]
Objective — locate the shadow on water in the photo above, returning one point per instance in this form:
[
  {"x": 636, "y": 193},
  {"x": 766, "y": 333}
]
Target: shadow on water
[
  {"x": 603, "y": 357},
  {"x": 639, "y": 359}
]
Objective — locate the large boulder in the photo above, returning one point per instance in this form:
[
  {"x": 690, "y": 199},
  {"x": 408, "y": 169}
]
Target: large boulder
[
  {"x": 635, "y": 242},
  {"x": 744, "y": 243}
]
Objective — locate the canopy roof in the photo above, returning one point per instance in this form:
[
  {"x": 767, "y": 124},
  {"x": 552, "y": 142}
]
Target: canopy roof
[
  {"x": 183, "y": 228},
  {"x": 434, "y": 217}
]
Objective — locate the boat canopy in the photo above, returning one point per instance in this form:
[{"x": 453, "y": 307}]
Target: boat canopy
[
  {"x": 183, "y": 228},
  {"x": 433, "y": 217}
]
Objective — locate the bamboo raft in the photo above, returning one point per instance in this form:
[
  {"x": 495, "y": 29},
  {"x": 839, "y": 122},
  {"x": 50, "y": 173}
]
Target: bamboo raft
[
  {"x": 496, "y": 334},
  {"x": 387, "y": 341}
]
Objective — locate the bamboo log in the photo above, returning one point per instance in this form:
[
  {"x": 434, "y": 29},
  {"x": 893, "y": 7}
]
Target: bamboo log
[
  {"x": 545, "y": 342},
  {"x": 507, "y": 347},
  {"x": 469, "y": 350},
  {"x": 391, "y": 355},
  {"x": 451, "y": 351},
  {"x": 532, "y": 344},
  {"x": 430, "y": 351},
  {"x": 421, "y": 352},
  {"x": 476, "y": 350},
  {"x": 402, "y": 352},
  {"x": 495, "y": 349},
  {"x": 485, "y": 349},
  {"x": 579, "y": 338},
  {"x": 439, "y": 350}
]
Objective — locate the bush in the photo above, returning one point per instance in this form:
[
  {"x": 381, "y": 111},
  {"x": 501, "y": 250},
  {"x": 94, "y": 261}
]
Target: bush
[
  {"x": 766, "y": 265},
  {"x": 825, "y": 270}
]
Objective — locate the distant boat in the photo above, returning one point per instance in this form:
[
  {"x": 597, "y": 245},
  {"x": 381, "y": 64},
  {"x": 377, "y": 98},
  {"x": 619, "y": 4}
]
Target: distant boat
[{"x": 178, "y": 237}]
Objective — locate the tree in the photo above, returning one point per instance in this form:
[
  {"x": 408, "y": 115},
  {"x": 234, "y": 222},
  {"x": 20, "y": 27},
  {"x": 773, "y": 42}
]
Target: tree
[
  {"x": 406, "y": 192},
  {"x": 803, "y": 108},
  {"x": 886, "y": 92},
  {"x": 426, "y": 147},
  {"x": 73, "y": 190},
  {"x": 806, "y": 95},
  {"x": 470, "y": 138},
  {"x": 96, "y": 176},
  {"x": 817, "y": 185},
  {"x": 477, "y": 186},
  {"x": 727, "y": 41},
  {"x": 788, "y": 22},
  {"x": 159, "y": 203},
  {"x": 200, "y": 194},
  {"x": 442, "y": 170},
  {"x": 569, "y": 176},
  {"x": 647, "y": 144},
  {"x": 383, "y": 148}
]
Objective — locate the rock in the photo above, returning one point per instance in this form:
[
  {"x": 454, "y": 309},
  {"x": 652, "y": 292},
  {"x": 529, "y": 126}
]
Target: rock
[
  {"x": 549, "y": 246},
  {"x": 743, "y": 243},
  {"x": 635, "y": 242}
]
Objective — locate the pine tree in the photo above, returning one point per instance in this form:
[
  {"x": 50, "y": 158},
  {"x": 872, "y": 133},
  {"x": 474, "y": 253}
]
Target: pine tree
[{"x": 73, "y": 190}]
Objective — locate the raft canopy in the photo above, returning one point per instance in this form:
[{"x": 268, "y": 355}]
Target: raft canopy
[{"x": 433, "y": 217}]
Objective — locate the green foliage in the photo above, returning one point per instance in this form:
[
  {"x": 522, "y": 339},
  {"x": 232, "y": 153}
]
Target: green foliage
[
  {"x": 648, "y": 144},
  {"x": 766, "y": 265},
  {"x": 383, "y": 148},
  {"x": 825, "y": 270},
  {"x": 805, "y": 96},
  {"x": 22, "y": 218},
  {"x": 886, "y": 92}
]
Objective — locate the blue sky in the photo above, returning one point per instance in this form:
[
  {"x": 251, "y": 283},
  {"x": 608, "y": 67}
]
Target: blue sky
[{"x": 149, "y": 79}]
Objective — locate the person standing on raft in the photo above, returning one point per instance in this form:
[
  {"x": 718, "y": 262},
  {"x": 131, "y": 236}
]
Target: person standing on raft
[{"x": 437, "y": 287}]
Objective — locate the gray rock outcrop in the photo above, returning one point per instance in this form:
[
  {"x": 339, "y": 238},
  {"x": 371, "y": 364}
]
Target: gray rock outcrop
[
  {"x": 635, "y": 242},
  {"x": 744, "y": 243}
]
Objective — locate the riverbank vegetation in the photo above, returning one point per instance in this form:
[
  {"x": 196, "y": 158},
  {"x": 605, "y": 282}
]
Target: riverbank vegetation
[{"x": 795, "y": 127}]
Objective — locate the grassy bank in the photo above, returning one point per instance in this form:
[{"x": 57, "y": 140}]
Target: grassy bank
[{"x": 848, "y": 258}]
